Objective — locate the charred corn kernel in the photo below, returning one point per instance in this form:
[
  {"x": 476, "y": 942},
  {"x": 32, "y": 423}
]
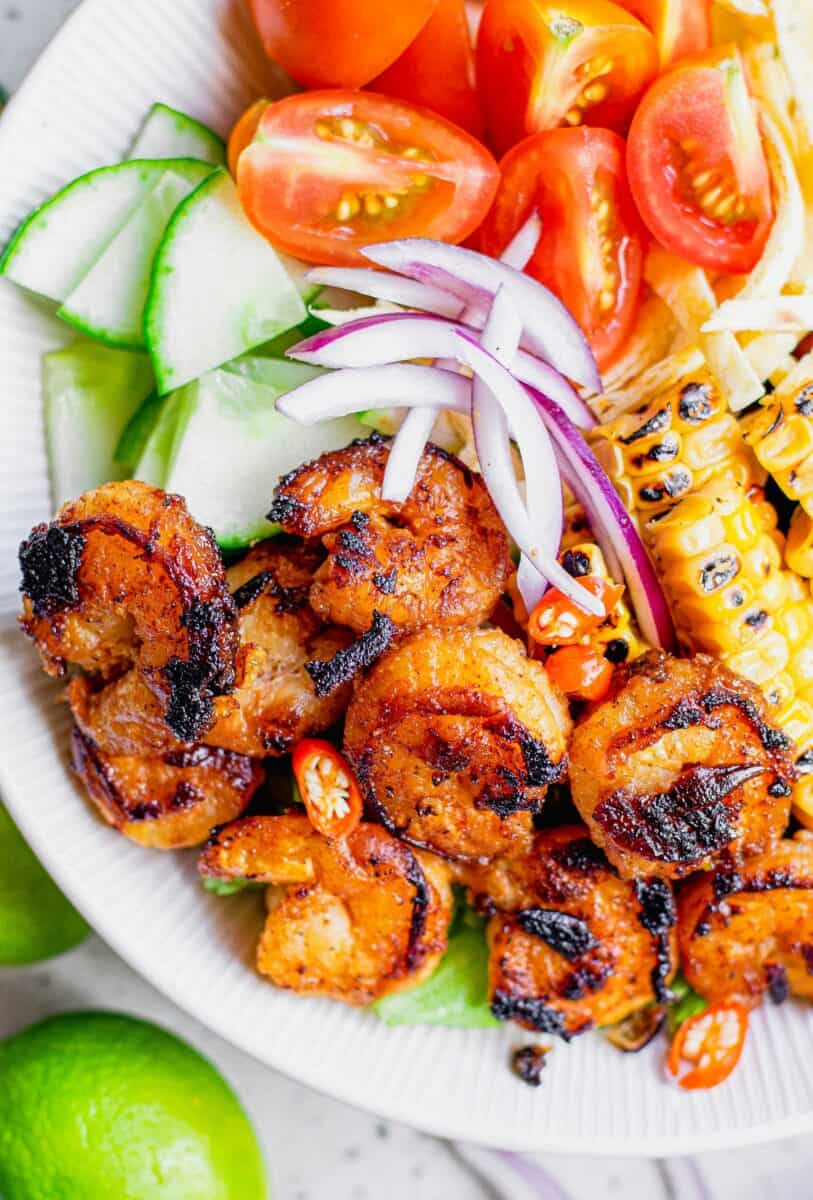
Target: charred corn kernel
[
  {"x": 618, "y": 635},
  {"x": 780, "y": 432},
  {"x": 803, "y": 801},
  {"x": 658, "y": 454},
  {"x": 720, "y": 559},
  {"x": 799, "y": 546}
]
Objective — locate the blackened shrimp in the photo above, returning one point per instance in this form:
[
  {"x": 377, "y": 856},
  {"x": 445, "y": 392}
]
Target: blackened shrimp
[
  {"x": 455, "y": 735},
  {"x": 678, "y": 766},
  {"x": 124, "y": 577},
  {"x": 441, "y": 557},
  {"x": 748, "y": 931},
  {"x": 166, "y": 801},
  {"x": 276, "y": 701},
  {"x": 579, "y": 946},
  {"x": 352, "y": 920}
]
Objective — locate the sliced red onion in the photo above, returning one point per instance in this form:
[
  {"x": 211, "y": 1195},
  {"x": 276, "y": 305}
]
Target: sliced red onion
[
  {"x": 393, "y": 337},
  {"x": 382, "y": 285},
  {"x": 520, "y": 250},
  {"x": 550, "y": 331},
  {"x": 405, "y": 454},
  {"x": 611, "y": 523},
  {"x": 542, "y": 476},
  {"x": 399, "y": 385}
]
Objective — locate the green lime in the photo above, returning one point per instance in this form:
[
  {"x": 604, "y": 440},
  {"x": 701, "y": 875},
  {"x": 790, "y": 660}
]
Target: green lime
[
  {"x": 100, "y": 1106},
  {"x": 36, "y": 921}
]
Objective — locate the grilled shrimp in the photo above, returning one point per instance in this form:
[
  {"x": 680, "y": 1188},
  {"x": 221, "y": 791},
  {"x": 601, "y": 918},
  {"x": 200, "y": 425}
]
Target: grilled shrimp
[
  {"x": 578, "y": 946},
  {"x": 455, "y": 735},
  {"x": 276, "y": 702},
  {"x": 351, "y": 920},
  {"x": 166, "y": 801},
  {"x": 125, "y": 577},
  {"x": 749, "y": 930},
  {"x": 442, "y": 557},
  {"x": 679, "y": 766}
]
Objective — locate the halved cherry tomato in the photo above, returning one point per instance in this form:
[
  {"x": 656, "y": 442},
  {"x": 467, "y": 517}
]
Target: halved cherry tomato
[
  {"x": 330, "y": 172},
  {"x": 327, "y": 786},
  {"x": 696, "y": 164},
  {"x": 244, "y": 132},
  {"x": 557, "y": 621},
  {"x": 337, "y": 43},
  {"x": 591, "y": 249},
  {"x": 680, "y": 27},
  {"x": 541, "y": 64},
  {"x": 582, "y": 672},
  {"x": 437, "y": 70},
  {"x": 710, "y": 1043}
]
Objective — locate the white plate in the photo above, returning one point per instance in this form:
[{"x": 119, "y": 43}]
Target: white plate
[{"x": 78, "y": 109}]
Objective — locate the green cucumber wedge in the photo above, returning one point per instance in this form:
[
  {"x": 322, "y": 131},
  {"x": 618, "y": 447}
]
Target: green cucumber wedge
[
  {"x": 108, "y": 303},
  {"x": 59, "y": 242},
  {"x": 222, "y": 445},
  {"x": 137, "y": 432},
  {"x": 218, "y": 288},
  {"x": 167, "y": 133},
  {"x": 90, "y": 394}
]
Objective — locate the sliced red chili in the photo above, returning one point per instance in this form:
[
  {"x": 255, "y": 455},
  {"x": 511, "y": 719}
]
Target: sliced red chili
[
  {"x": 710, "y": 1044},
  {"x": 328, "y": 787}
]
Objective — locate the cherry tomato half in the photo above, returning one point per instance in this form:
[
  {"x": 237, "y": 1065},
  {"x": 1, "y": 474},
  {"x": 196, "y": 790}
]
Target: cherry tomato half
[
  {"x": 710, "y": 1044},
  {"x": 337, "y": 43},
  {"x": 582, "y": 672},
  {"x": 680, "y": 27},
  {"x": 330, "y": 172},
  {"x": 557, "y": 621},
  {"x": 327, "y": 786},
  {"x": 696, "y": 165},
  {"x": 541, "y": 64},
  {"x": 591, "y": 249},
  {"x": 437, "y": 70},
  {"x": 244, "y": 132}
]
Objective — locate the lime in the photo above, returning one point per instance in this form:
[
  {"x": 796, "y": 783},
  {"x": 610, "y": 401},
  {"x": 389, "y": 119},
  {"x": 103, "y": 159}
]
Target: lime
[
  {"x": 100, "y": 1106},
  {"x": 36, "y": 921}
]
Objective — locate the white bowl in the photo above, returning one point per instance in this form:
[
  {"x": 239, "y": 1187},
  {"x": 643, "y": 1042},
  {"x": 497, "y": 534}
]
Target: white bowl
[{"x": 78, "y": 109}]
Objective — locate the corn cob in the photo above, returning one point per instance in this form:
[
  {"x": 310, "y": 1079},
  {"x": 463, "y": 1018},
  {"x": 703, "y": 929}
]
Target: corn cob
[
  {"x": 799, "y": 546},
  {"x": 780, "y": 432},
  {"x": 671, "y": 447},
  {"x": 720, "y": 559}
]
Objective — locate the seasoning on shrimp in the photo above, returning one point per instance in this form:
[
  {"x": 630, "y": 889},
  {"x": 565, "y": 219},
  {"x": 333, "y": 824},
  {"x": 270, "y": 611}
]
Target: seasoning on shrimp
[
  {"x": 351, "y": 919},
  {"x": 441, "y": 557},
  {"x": 455, "y": 736},
  {"x": 679, "y": 766}
]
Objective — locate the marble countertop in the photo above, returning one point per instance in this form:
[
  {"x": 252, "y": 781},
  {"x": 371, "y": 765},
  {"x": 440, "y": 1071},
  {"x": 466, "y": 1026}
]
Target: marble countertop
[{"x": 317, "y": 1147}]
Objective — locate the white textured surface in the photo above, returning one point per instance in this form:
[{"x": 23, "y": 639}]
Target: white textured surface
[{"x": 196, "y": 54}]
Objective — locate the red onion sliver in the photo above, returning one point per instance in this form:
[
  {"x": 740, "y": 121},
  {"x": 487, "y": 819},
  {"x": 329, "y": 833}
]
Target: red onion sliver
[
  {"x": 383, "y": 285},
  {"x": 405, "y": 454},
  {"x": 611, "y": 523},
  {"x": 520, "y": 250},
  {"x": 393, "y": 337},
  {"x": 399, "y": 385},
  {"x": 536, "y": 450},
  {"x": 550, "y": 331}
]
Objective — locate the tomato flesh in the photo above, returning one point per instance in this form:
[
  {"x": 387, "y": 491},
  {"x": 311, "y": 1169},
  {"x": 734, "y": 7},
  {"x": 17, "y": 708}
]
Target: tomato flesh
[
  {"x": 541, "y": 64},
  {"x": 337, "y": 43},
  {"x": 709, "y": 1044},
  {"x": 582, "y": 672},
  {"x": 680, "y": 27},
  {"x": 330, "y": 172},
  {"x": 327, "y": 786},
  {"x": 437, "y": 70},
  {"x": 591, "y": 249},
  {"x": 696, "y": 165}
]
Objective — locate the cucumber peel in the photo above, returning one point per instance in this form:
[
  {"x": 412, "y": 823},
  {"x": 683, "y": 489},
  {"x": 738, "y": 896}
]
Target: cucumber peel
[{"x": 168, "y": 133}]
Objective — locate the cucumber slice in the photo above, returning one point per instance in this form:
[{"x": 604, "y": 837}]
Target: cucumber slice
[
  {"x": 108, "y": 304},
  {"x": 90, "y": 394},
  {"x": 218, "y": 287},
  {"x": 167, "y": 133},
  {"x": 59, "y": 242},
  {"x": 137, "y": 431},
  {"x": 226, "y": 447},
  {"x": 296, "y": 271},
  {"x": 162, "y": 439}
]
